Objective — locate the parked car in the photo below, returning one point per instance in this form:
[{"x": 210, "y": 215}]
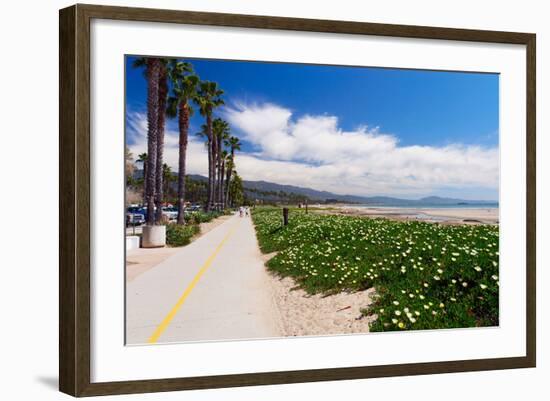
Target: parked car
[
  {"x": 170, "y": 212},
  {"x": 135, "y": 216},
  {"x": 194, "y": 208},
  {"x": 134, "y": 219}
]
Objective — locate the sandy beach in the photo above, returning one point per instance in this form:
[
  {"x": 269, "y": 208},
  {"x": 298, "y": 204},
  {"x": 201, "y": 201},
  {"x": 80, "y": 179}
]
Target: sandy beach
[
  {"x": 302, "y": 314},
  {"x": 472, "y": 215}
]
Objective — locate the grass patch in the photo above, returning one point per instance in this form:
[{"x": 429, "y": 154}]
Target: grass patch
[{"x": 426, "y": 275}]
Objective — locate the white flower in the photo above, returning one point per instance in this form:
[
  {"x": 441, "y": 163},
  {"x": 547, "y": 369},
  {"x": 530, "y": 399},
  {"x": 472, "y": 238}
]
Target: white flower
[
  {"x": 465, "y": 284},
  {"x": 426, "y": 306},
  {"x": 440, "y": 271},
  {"x": 483, "y": 286},
  {"x": 394, "y": 321},
  {"x": 397, "y": 313},
  {"x": 396, "y": 303},
  {"x": 494, "y": 277},
  {"x": 436, "y": 278},
  {"x": 417, "y": 313},
  {"x": 477, "y": 268},
  {"x": 441, "y": 305}
]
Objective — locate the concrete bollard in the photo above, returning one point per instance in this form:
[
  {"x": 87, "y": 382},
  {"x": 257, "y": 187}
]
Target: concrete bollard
[{"x": 132, "y": 242}]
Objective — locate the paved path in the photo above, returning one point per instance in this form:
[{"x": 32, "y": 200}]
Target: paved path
[{"x": 216, "y": 288}]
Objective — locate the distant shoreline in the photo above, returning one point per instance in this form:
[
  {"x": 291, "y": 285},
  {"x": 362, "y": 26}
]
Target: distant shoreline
[
  {"x": 473, "y": 206},
  {"x": 446, "y": 215}
]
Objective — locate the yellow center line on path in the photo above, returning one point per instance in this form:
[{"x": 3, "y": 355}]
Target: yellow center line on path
[{"x": 166, "y": 322}]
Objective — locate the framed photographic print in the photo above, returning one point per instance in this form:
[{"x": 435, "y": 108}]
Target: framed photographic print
[{"x": 250, "y": 200}]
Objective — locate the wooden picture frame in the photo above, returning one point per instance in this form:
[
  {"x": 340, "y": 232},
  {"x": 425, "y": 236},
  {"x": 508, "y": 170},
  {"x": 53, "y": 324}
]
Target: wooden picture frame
[{"x": 75, "y": 207}]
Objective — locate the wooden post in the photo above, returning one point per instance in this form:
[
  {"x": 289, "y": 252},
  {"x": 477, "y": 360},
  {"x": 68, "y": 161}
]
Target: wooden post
[
  {"x": 306, "y": 206},
  {"x": 285, "y": 216}
]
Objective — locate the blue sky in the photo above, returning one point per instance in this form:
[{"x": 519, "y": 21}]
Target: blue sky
[{"x": 417, "y": 118}]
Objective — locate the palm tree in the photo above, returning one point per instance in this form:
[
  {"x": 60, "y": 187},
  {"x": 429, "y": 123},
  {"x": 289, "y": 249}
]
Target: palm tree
[
  {"x": 152, "y": 72},
  {"x": 233, "y": 144},
  {"x": 221, "y": 133},
  {"x": 223, "y": 163},
  {"x": 208, "y": 98},
  {"x": 142, "y": 158},
  {"x": 229, "y": 168},
  {"x": 184, "y": 89},
  {"x": 167, "y": 178},
  {"x": 163, "y": 97}
]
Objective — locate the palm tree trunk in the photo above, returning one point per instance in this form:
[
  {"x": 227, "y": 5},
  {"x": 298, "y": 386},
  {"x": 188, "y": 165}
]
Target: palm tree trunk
[
  {"x": 144, "y": 181},
  {"x": 153, "y": 70},
  {"x": 218, "y": 184},
  {"x": 222, "y": 175},
  {"x": 228, "y": 177},
  {"x": 215, "y": 177},
  {"x": 184, "y": 129},
  {"x": 210, "y": 161},
  {"x": 163, "y": 93}
]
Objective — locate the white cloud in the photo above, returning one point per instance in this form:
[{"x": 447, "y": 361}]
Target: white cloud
[
  {"x": 197, "y": 157},
  {"x": 312, "y": 151}
]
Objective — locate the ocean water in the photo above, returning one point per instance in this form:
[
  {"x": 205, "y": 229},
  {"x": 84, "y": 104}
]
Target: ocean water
[{"x": 414, "y": 205}]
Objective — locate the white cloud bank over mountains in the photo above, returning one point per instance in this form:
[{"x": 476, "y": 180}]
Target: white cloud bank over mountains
[{"x": 312, "y": 151}]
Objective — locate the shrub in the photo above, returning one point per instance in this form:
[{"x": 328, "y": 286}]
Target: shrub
[
  {"x": 203, "y": 217},
  {"x": 178, "y": 235}
]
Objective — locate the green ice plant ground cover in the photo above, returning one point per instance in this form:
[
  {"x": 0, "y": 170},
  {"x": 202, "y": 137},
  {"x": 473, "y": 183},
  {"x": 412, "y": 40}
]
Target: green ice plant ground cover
[{"x": 426, "y": 275}]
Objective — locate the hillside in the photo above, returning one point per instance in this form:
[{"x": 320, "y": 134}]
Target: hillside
[{"x": 272, "y": 192}]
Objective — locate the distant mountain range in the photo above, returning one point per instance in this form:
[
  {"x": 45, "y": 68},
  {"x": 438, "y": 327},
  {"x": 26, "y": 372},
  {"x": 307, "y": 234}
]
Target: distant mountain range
[{"x": 268, "y": 190}]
